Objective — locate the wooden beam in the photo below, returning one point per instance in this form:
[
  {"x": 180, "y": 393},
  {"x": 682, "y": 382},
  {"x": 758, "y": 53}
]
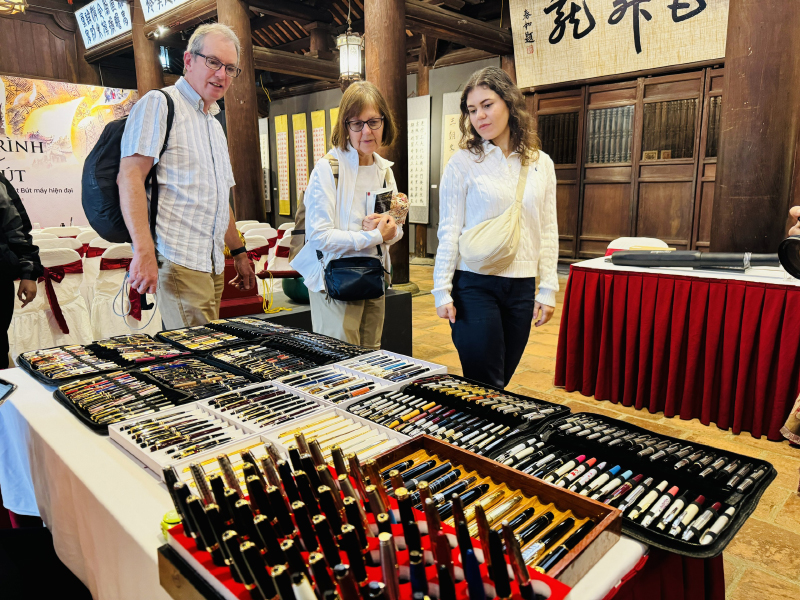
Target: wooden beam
[
  {"x": 295, "y": 45},
  {"x": 460, "y": 57},
  {"x": 109, "y": 48},
  {"x": 300, "y": 90},
  {"x": 294, "y": 11},
  {"x": 149, "y": 74},
  {"x": 453, "y": 27},
  {"x": 275, "y": 61}
]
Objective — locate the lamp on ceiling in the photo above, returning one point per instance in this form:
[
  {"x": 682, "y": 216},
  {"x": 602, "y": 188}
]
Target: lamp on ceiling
[
  {"x": 12, "y": 7},
  {"x": 351, "y": 54}
]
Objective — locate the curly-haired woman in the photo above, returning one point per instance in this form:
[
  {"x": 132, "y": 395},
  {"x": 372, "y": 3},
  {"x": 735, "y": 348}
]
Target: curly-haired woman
[{"x": 490, "y": 315}]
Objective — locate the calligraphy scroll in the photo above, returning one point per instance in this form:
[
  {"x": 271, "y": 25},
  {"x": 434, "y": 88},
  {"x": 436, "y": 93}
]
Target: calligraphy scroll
[
  {"x": 282, "y": 149},
  {"x": 567, "y": 40},
  {"x": 419, "y": 125},
  {"x": 154, "y": 8},
  {"x": 300, "y": 152},
  {"x": 334, "y": 118},
  {"x": 263, "y": 139},
  {"x": 319, "y": 145},
  {"x": 102, "y": 20}
]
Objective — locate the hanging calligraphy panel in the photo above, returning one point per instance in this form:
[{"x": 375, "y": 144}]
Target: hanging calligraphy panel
[
  {"x": 282, "y": 150},
  {"x": 567, "y": 40}
]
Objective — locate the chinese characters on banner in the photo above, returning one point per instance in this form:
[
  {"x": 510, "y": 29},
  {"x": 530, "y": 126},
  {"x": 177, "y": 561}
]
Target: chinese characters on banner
[
  {"x": 419, "y": 123},
  {"x": 282, "y": 149},
  {"x": 566, "y": 40},
  {"x": 318, "y": 143},
  {"x": 451, "y": 135},
  {"x": 300, "y": 152},
  {"x": 263, "y": 140},
  {"x": 102, "y": 20},
  {"x": 154, "y": 8},
  {"x": 334, "y": 117}
]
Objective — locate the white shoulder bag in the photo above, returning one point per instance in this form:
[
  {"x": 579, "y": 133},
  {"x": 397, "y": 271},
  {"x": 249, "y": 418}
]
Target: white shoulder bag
[{"x": 489, "y": 247}]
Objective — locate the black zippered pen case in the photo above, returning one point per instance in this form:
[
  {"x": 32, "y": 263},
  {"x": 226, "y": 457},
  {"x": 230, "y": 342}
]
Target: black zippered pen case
[{"x": 705, "y": 471}]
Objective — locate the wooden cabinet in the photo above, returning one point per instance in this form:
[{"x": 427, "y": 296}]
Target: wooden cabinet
[{"x": 633, "y": 158}]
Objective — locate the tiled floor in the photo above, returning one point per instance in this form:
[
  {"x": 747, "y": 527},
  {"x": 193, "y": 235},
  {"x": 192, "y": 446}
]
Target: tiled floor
[{"x": 763, "y": 561}]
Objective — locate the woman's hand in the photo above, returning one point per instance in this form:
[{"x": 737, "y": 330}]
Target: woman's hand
[
  {"x": 388, "y": 227},
  {"x": 542, "y": 313},
  {"x": 795, "y": 212},
  {"x": 370, "y": 222},
  {"x": 447, "y": 311}
]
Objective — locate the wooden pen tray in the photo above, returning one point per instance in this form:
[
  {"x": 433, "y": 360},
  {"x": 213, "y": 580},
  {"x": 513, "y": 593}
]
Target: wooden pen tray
[{"x": 608, "y": 522}]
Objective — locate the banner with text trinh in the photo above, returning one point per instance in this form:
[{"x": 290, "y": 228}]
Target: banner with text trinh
[
  {"x": 557, "y": 41},
  {"x": 47, "y": 128}
]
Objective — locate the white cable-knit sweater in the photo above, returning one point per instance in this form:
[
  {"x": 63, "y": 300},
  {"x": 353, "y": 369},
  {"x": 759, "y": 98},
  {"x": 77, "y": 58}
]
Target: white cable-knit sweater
[{"x": 472, "y": 192}]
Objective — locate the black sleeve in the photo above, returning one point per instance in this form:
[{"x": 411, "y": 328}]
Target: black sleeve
[{"x": 17, "y": 231}]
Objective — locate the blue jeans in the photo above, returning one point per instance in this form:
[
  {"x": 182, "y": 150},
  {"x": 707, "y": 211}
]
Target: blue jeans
[{"x": 493, "y": 322}]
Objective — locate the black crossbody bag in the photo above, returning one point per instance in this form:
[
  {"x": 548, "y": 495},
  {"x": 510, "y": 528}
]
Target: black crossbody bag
[{"x": 355, "y": 277}]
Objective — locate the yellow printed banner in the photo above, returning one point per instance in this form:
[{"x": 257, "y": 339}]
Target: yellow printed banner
[
  {"x": 282, "y": 148},
  {"x": 318, "y": 138},
  {"x": 300, "y": 152},
  {"x": 334, "y": 118},
  {"x": 558, "y": 40},
  {"x": 47, "y": 128}
]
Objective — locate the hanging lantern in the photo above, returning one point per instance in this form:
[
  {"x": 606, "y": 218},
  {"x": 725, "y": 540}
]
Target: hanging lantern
[
  {"x": 12, "y": 7},
  {"x": 351, "y": 54}
]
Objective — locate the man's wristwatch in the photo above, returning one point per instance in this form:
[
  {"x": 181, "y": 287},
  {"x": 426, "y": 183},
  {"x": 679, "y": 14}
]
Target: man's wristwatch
[{"x": 238, "y": 251}]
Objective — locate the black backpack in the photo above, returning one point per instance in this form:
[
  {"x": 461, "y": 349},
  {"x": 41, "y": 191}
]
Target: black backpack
[{"x": 99, "y": 191}]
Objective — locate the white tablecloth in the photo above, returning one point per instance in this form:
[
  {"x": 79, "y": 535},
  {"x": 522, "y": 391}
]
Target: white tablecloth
[
  {"x": 771, "y": 275},
  {"x": 104, "y": 508}
]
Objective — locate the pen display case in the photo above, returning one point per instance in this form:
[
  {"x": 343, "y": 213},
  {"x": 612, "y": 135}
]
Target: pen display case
[
  {"x": 201, "y": 338},
  {"x": 673, "y": 489},
  {"x": 245, "y": 548},
  {"x": 336, "y": 427},
  {"x": 197, "y": 377},
  {"x": 316, "y": 347},
  {"x": 262, "y": 362},
  {"x": 393, "y": 367},
  {"x": 262, "y": 406},
  {"x": 53, "y": 366},
  {"x": 334, "y": 384},
  {"x": 536, "y": 495},
  {"x": 118, "y": 396},
  {"x": 180, "y": 435},
  {"x": 249, "y": 327}
]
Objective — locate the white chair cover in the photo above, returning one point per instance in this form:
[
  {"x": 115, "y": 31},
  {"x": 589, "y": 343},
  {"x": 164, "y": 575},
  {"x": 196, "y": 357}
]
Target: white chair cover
[
  {"x": 262, "y": 229},
  {"x": 63, "y": 231},
  {"x": 91, "y": 267},
  {"x": 251, "y": 242},
  {"x": 43, "y": 236},
  {"x": 86, "y": 237},
  {"x": 278, "y": 263},
  {"x": 283, "y": 230},
  {"x": 626, "y": 243},
  {"x": 67, "y": 243},
  {"x": 105, "y": 323},
  {"x": 248, "y": 226},
  {"x": 33, "y": 331},
  {"x": 240, "y": 223}
]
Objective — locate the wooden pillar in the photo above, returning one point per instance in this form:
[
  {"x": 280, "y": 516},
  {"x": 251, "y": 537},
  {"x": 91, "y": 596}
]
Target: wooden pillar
[
  {"x": 241, "y": 118},
  {"x": 509, "y": 66},
  {"x": 320, "y": 45},
  {"x": 149, "y": 74},
  {"x": 760, "y": 123},
  {"x": 386, "y": 67},
  {"x": 427, "y": 57}
]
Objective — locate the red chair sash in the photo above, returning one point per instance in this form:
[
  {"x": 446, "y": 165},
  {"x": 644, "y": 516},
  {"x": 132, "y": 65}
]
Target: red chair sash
[
  {"x": 57, "y": 274},
  {"x": 282, "y": 252},
  {"x": 257, "y": 253},
  {"x": 82, "y": 250},
  {"x": 272, "y": 241},
  {"x": 281, "y": 233},
  {"x": 93, "y": 251},
  {"x": 134, "y": 297}
]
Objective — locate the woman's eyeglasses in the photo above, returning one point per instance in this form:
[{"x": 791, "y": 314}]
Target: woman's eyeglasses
[
  {"x": 215, "y": 65},
  {"x": 357, "y": 126}
]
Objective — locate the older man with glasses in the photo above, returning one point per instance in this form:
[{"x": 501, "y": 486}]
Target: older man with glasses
[{"x": 185, "y": 262}]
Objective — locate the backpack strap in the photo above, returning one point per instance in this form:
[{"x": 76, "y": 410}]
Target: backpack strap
[{"x": 152, "y": 179}]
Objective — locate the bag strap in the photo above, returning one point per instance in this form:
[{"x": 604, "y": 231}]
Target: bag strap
[
  {"x": 152, "y": 179},
  {"x": 523, "y": 179}
]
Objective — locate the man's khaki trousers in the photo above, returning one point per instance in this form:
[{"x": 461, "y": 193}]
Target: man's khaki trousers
[{"x": 186, "y": 297}]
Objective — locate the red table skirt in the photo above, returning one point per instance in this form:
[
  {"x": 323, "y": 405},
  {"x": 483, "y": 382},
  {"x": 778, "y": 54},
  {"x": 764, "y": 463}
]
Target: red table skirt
[
  {"x": 667, "y": 576},
  {"x": 722, "y": 351}
]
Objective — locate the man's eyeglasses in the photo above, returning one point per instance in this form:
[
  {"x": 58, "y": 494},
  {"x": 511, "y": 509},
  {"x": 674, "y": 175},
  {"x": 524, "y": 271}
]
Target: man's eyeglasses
[
  {"x": 357, "y": 126},
  {"x": 215, "y": 65}
]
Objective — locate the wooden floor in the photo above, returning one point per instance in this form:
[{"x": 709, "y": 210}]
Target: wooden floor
[{"x": 763, "y": 561}]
